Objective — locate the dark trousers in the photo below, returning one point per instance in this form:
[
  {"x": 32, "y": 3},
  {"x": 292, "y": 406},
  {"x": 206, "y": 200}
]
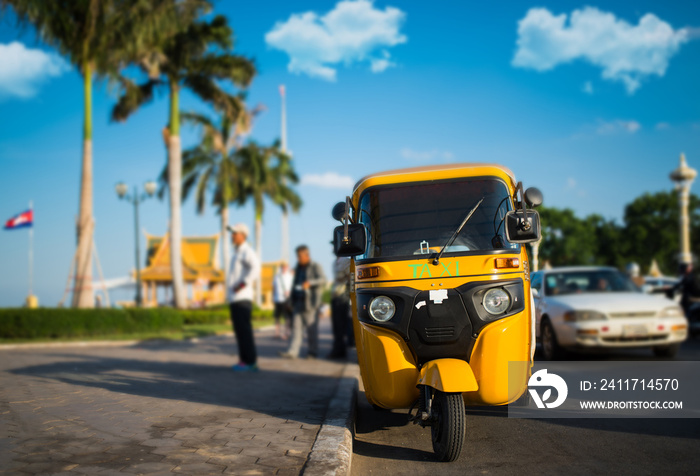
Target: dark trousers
[
  {"x": 241, "y": 316},
  {"x": 283, "y": 313},
  {"x": 340, "y": 314}
]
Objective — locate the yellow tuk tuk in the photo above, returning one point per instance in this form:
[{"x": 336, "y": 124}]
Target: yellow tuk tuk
[{"x": 440, "y": 290}]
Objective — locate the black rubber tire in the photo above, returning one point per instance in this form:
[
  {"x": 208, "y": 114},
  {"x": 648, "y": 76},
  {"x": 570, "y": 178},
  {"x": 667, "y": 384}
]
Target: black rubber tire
[
  {"x": 449, "y": 427},
  {"x": 551, "y": 350},
  {"x": 667, "y": 351}
]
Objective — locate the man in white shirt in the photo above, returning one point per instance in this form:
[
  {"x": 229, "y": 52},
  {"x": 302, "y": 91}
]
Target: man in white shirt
[
  {"x": 281, "y": 295},
  {"x": 243, "y": 272}
]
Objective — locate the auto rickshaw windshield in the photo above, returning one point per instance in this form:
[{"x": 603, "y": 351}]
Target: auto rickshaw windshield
[{"x": 406, "y": 220}]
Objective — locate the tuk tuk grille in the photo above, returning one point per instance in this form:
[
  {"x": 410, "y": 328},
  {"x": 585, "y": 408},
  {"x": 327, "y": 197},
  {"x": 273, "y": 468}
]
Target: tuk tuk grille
[{"x": 433, "y": 332}]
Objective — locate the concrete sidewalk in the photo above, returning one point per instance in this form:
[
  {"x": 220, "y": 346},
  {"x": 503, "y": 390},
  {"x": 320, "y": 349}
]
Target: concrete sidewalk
[{"x": 167, "y": 407}]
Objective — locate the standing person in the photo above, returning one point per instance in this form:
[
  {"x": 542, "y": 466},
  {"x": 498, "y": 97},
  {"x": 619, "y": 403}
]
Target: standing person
[
  {"x": 282, "y": 297},
  {"x": 243, "y": 272},
  {"x": 340, "y": 308},
  {"x": 307, "y": 292},
  {"x": 633, "y": 272},
  {"x": 689, "y": 286}
]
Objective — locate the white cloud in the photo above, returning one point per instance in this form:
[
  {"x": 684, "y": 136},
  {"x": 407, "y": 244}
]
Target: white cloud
[
  {"x": 23, "y": 69},
  {"x": 354, "y": 31},
  {"x": 587, "y": 87},
  {"x": 426, "y": 155},
  {"x": 616, "y": 126},
  {"x": 328, "y": 180},
  {"x": 626, "y": 53},
  {"x": 378, "y": 65},
  {"x": 662, "y": 126}
]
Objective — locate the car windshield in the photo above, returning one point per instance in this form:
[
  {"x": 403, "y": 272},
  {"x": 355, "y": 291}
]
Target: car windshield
[
  {"x": 589, "y": 281},
  {"x": 419, "y": 218}
]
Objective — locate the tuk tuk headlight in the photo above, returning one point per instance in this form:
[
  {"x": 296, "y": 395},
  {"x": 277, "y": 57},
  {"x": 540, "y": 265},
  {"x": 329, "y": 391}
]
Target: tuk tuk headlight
[
  {"x": 382, "y": 308},
  {"x": 496, "y": 301}
]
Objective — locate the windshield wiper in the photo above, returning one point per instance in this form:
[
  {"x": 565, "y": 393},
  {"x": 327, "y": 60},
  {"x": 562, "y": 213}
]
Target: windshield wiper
[{"x": 436, "y": 261}]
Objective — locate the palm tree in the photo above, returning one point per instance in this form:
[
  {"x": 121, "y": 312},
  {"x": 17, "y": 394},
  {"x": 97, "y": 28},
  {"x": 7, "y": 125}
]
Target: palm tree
[
  {"x": 211, "y": 165},
  {"x": 96, "y": 36},
  {"x": 194, "y": 59},
  {"x": 265, "y": 172}
]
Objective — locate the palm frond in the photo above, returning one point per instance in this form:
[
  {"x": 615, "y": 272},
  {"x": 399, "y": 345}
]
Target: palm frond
[{"x": 132, "y": 97}]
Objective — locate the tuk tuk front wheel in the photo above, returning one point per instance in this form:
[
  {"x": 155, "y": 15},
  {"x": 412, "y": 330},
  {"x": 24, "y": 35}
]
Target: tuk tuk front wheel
[{"x": 449, "y": 425}]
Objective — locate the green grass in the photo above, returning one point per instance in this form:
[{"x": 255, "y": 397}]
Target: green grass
[{"x": 186, "y": 331}]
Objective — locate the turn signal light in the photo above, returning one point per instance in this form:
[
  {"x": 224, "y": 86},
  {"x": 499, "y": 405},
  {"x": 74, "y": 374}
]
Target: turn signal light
[
  {"x": 365, "y": 273},
  {"x": 679, "y": 327},
  {"x": 504, "y": 263},
  {"x": 587, "y": 332}
]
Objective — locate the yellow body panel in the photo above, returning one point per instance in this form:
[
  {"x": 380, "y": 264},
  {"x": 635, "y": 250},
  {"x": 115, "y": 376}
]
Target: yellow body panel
[
  {"x": 501, "y": 342},
  {"x": 422, "y": 174},
  {"x": 449, "y": 273},
  {"x": 448, "y": 375},
  {"x": 388, "y": 370}
]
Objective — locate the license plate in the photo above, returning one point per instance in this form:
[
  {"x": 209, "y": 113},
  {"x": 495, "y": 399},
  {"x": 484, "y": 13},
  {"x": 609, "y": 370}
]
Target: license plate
[{"x": 638, "y": 330}]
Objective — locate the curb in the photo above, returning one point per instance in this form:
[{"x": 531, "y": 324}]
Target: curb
[{"x": 331, "y": 454}]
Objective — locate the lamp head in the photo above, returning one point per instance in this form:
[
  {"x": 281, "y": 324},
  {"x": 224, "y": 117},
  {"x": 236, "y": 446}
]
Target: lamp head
[{"x": 121, "y": 188}]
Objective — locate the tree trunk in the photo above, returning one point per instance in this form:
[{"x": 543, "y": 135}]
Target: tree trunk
[
  {"x": 175, "y": 187},
  {"x": 83, "y": 294},
  {"x": 258, "y": 251},
  {"x": 225, "y": 245}
]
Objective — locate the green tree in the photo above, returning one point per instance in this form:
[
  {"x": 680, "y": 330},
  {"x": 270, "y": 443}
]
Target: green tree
[
  {"x": 566, "y": 239},
  {"x": 267, "y": 172},
  {"x": 97, "y": 36},
  {"x": 197, "y": 58},
  {"x": 651, "y": 229},
  {"x": 211, "y": 167}
]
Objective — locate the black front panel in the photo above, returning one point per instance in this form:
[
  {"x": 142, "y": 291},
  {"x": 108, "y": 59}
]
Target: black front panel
[
  {"x": 447, "y": 329},
  {"x": 440, "y": 330}
]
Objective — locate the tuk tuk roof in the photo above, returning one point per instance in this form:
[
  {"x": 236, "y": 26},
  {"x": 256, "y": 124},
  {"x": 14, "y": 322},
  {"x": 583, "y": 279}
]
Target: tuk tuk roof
[{"x": 433, "y": 172}]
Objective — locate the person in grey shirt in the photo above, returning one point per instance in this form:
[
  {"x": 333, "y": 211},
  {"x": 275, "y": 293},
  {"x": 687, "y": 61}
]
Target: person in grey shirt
[{"x": 307, "y": 292}]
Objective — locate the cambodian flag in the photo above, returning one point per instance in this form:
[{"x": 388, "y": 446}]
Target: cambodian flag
[{"x": 22, "y": 220}]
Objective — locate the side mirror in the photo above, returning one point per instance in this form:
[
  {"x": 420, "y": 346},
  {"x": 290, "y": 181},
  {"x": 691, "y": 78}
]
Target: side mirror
[
  {"x": 535, "y": 293},
  {"x": 356, "y": 242},
  {"x": 523, "y": 226},
  {"x": 533, "y": 197},
  {"x": 338, "y": 211}
]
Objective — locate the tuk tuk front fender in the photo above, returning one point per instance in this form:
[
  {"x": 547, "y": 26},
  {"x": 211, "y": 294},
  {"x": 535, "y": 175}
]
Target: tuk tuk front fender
[{"x": 448, "y": 375}]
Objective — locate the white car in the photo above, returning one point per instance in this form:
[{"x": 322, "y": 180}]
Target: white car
[{"x": 590, "y": 307}]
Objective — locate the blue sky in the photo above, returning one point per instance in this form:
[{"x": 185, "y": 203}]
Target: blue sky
[{"x": 593, "y": 105}]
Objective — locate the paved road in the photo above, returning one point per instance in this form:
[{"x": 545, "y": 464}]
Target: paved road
[
  {"x": 386, "y": 444},
  {"x": 158, "y": 408}
]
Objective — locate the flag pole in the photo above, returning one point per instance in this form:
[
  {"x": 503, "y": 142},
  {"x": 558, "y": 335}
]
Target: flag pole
[{"x": 31, "y": 250}]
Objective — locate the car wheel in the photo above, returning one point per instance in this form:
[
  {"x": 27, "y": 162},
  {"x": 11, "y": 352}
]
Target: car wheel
[
  {"x": 551, "y": 350},
  {"x": 667, "y": 351}
]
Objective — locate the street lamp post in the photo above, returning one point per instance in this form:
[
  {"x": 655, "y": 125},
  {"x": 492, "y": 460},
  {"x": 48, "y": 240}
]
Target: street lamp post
[
  {"x": 683, "y": 177},
  {"x": 122, "y": 192}
]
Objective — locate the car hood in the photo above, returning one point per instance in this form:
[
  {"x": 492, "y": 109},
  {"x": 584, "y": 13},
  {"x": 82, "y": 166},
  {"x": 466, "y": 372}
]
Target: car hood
[{"x": 613, "y": 302}]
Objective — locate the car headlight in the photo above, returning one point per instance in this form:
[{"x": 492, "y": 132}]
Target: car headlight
[
  {"x": 496, "y": 301},
  {"x": 673, "y": 311},
  {"x": 578, "y": 316},
  {"x": 382, "y": 308}
]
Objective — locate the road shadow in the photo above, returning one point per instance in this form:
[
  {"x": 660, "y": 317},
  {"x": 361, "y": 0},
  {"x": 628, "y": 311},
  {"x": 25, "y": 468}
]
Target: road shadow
[
  {"x": 369, "y": 420},
  {"x": 295, "y": 390}
]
